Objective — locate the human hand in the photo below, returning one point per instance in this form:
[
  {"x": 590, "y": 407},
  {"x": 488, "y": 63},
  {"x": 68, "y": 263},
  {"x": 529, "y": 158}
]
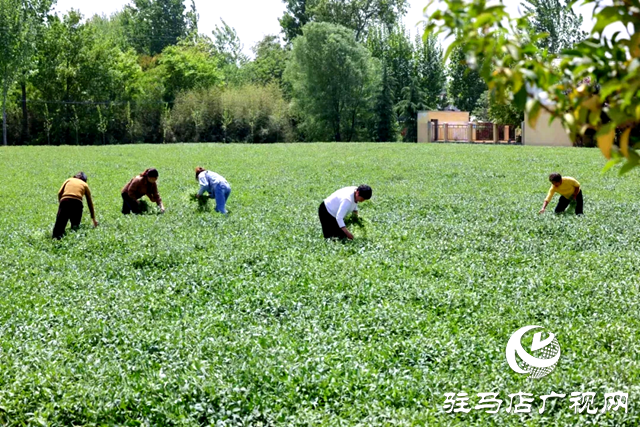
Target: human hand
[
  {"x": 541, "y": 211},
  {"x": 95, "y": 223}
]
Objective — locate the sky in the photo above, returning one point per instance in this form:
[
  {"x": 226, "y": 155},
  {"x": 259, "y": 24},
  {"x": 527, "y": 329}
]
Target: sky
[{"x": 254, "y": 19}]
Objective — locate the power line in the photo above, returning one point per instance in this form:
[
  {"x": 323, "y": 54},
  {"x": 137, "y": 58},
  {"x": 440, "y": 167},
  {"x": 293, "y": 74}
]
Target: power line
[{"x": 41, "y": 101}]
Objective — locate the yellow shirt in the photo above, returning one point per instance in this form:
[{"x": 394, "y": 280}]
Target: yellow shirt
[
  {"x": 75, "y": 188},
  {"x": 566, "y": 188}
]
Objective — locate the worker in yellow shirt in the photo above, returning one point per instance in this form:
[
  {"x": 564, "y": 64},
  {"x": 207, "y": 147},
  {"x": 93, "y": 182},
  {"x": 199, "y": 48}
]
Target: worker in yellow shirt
[
  {"x": 568, "y": 188},
  {"x": 70, "y": 204}
]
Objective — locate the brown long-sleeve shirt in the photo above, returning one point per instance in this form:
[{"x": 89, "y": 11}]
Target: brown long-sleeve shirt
[
  {"x": 75, "y": 188},
  {"x": 140, "y": 186}
]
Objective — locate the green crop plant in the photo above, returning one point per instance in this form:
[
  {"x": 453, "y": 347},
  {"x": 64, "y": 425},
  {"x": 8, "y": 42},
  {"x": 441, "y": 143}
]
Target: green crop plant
[{"x": 196, "y": 318}]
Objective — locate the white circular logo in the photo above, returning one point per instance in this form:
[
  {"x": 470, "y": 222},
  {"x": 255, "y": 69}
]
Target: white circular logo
[{"x": 544, "y": 357}]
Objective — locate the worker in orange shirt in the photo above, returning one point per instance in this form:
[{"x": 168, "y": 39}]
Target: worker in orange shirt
[{"x": 70, "y": 204}]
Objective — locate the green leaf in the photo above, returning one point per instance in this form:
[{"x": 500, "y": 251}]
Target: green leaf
[
  {"x": 628, "y": 166},
  {"x": 611, "y": 163},
  {"x": 605, "y": 17},
  {"x": 520, "y": 98},
  {"x": 533, "y": 109},
  {"x": 484, "y": 19}
]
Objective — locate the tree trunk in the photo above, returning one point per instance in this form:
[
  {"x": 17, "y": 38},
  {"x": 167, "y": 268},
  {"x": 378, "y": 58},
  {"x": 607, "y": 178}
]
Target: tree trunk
[
  {"x": 66, "y": 120},
  {"x": 25, "y": 117},
  {"x": 352, "y": 131},
  {"x": 4, "y": 124},
  {"x": 354, "y": 117},
  {"x": 336, "y": 124},
  {"x": 4, "y": 113}
]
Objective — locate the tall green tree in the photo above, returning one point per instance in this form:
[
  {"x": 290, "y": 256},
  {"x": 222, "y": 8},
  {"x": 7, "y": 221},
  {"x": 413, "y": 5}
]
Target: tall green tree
[
  {"x": 385, "y": 117},
  {"x": 20, "y": 22},
  {"x": 395, "y": 49},
  {"x": 489, "y": 110},
  {"x": 191, "y": 19},
  {"x": 411, "y": 103},
  {"x": 358, "y": 15},
  {"x": 333, "y": 78},
  {"x": 228, "y": 47},
  {"x": 153, "y": 25},
  {"x": 558, "y": 20},
  {"x": 399, "y": 59},
  {"x": 465, "y": 83},
  {"x": 416, "y": 73},
  {"x": 295, "y": 17},
  {"x": 429, "y": 69},
  {"x": 188, "y": 66},
  {"x": 79, "y": 69},
  {"x": 270, "y": 61}
]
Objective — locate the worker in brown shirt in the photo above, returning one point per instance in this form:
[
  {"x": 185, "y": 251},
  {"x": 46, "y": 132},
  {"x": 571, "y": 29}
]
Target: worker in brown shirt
[
  {"x": 70, "y": 204},
  {"x": 142, "y": 185}
]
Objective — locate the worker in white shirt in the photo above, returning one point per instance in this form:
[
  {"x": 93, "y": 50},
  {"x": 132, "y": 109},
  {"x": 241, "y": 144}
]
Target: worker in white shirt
[
  {"x": 338, "y": 205},
  {"x": 215, "y": 185}
]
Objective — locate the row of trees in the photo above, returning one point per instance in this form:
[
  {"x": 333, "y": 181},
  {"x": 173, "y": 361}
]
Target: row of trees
[{"x": 347, "y": 70}]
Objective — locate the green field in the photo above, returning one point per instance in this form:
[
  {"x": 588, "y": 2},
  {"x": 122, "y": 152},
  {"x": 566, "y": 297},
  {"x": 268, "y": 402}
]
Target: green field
[{"x": 192, "y": 318}]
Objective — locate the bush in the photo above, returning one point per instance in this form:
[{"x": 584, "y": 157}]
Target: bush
[{"x": 250, "y": 113}]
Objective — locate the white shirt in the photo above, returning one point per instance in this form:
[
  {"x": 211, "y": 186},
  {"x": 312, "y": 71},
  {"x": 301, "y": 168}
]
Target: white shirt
[
  {"x": 341, "y": 203},
  {"x": 209, "y": 180}
]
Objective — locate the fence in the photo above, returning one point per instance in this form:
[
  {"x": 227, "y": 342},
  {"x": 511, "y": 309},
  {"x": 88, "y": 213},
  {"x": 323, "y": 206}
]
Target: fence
[
  {"x": 471, "y": 132},
  {"x": 483, "y": 132}
]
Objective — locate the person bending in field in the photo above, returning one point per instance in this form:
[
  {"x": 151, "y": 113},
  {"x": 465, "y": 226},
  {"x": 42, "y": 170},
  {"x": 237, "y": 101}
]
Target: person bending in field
[
  {"x": 70, "y": 204},
  {"x": 568, "y": 188},
  {"x": 142, "y": 185},
  {"x": 338, "y": 205},
  {"x": 215, "y": 185}
]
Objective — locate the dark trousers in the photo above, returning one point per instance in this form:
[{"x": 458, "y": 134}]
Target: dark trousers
[
  {"x": 68, "y": 210},
  {"x": 129, "y": 205},
  {"x": 563, "y": 203},
  {"x": 330, "y": 227}
]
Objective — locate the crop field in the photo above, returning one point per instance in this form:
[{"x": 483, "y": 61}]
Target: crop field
[{"x": 192, "y": 318}]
